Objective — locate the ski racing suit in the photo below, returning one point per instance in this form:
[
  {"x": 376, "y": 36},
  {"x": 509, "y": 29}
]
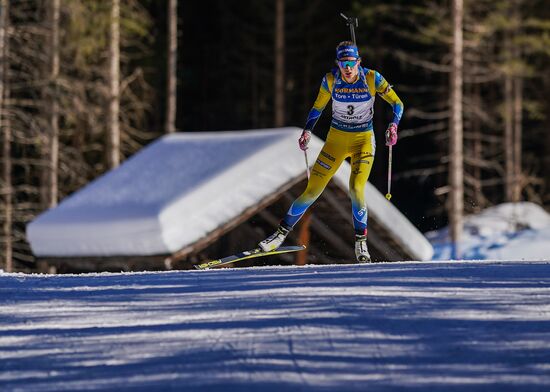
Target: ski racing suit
[{"x": 351, "y": 135}]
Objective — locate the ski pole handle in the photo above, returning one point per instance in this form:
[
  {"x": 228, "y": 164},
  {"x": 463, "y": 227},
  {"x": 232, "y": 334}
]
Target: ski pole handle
[{"x": 388, "y": 195}]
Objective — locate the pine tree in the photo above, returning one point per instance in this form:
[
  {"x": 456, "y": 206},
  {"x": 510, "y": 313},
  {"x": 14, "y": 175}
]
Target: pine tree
[
  {"x": 418, "y": 45},
  {"x": 53, "y": 124}
]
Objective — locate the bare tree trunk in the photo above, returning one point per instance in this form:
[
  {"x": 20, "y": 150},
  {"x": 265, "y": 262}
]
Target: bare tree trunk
[
  {"x": 113, "y": 149},
  {"x": 477, "y": 151},
  {"x": 309, "y": 41},
  {"x": 508, "y": 123},
  {"x": 172, "y": 81},
  {"x": 518, "y": 117},
  {"x": 6, "y": 136},
  {"x": 456, "y": 204},
  {"x": 279, "y": 63},
  {"x": 54, "y": 106}
]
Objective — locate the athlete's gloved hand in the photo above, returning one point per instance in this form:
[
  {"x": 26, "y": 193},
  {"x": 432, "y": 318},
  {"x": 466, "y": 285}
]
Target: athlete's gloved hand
[
  {"x": 304, "y": 139},
  {"x": 391, "y": 134}
]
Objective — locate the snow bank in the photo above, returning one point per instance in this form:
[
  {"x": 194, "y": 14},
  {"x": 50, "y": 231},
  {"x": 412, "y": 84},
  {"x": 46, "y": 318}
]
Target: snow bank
[{"x": 509, "y": 231}]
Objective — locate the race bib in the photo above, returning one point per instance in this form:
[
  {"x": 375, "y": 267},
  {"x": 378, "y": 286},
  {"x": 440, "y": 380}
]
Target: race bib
[
  {"x": 353, "y": 112},
  {"x": 352, "y": 104}
]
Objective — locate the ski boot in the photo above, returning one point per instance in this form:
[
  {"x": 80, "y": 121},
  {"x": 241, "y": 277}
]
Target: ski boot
[
  {"x": 361, "y": 250},
  {"x": 275, "y": 240}
]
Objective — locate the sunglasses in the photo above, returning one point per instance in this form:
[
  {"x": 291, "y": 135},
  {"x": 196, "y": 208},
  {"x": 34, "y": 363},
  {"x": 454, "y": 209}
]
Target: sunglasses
[{"x": 348, "y": 63}]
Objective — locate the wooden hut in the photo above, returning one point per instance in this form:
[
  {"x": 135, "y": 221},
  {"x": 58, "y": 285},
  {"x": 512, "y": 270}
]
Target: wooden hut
[{"x": 189, "y": 197}]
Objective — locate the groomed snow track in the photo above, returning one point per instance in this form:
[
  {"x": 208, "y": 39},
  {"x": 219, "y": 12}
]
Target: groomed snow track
[{"x": 443, "y": 326}]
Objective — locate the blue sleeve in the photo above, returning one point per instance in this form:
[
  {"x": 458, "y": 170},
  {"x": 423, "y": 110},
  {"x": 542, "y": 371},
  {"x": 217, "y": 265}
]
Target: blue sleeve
[
  {"x": 378, "y": 80},
  {"x": 385, "y": 90},
  {"x": 320, "y": 103}
]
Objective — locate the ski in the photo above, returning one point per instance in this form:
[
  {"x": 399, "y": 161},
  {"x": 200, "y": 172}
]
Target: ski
[{"x": 248, "y": 254}]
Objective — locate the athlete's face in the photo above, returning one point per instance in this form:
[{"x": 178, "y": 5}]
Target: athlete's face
[{"x": 349, "y": 67}]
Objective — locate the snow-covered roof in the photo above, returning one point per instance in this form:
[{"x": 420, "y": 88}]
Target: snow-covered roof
[{"x": 183, "y": 186}]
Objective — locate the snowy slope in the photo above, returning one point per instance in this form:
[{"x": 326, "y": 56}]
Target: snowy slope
[
  {"x": 509, "y": 231},
  {"x": 431, "y": 326}
]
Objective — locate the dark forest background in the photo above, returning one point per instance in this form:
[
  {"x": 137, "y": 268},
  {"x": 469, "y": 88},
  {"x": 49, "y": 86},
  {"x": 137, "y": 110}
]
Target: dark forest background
[{"x": 226, "y": 80}]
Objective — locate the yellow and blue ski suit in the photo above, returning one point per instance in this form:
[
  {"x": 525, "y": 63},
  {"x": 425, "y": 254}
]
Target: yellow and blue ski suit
[{"x": 351, "y": 136}]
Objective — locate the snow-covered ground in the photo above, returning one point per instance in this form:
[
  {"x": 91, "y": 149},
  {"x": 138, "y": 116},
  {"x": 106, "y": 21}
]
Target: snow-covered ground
[
  {"x": 509, "y": 231},
  {"x": 443, "y": 326}
]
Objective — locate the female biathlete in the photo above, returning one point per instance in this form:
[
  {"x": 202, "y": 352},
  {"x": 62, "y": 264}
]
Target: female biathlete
[{"x": 353, "y": 89}]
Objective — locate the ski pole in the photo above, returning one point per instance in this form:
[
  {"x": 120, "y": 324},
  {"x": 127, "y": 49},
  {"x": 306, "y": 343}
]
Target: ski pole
[
  {"x": 307, "y": 163},
  {"x": 388, "y": 195}
]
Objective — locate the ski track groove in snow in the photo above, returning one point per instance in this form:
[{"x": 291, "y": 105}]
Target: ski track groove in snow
[{"x": 443, "y": 326}]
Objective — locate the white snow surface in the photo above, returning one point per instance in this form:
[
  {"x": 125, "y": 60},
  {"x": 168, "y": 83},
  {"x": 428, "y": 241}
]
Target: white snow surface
[
  {"x": 429, "y": 326},
  {"x": 183, "y": 186},
  {"x": 509, "y": 231}
]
